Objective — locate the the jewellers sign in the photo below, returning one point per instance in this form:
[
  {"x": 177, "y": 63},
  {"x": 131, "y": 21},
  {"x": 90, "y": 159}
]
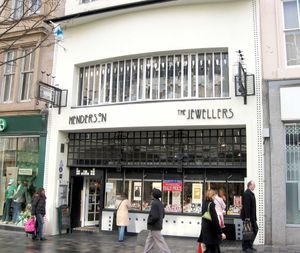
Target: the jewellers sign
[
  {"x": 88, "y": 118},
  {"x": 199, "y": 114}
]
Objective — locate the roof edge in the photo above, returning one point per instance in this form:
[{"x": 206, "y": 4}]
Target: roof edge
[{"x": 107, "y": 9}]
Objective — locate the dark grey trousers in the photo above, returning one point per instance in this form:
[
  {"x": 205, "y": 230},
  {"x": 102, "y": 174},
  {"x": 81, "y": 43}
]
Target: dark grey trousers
[{"x": 157, "y": 238}]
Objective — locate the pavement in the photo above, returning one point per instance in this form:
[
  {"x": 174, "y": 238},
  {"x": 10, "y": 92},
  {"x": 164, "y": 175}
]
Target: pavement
[{"x": 106, "y": 242}]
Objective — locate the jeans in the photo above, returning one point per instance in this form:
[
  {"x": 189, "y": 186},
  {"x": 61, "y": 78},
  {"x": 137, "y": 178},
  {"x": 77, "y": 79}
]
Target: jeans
[
  {"x": 17, "y": 210},
  {"x": 39, "y": 225},
  {"x": 121, "y": 230},
  {"x": 6, "y": 210}
]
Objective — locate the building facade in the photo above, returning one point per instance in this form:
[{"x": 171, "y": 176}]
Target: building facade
[
  {"x": 280, "y": 27},
  {"x": 26, "y": 55},
  {"x": 154, "y": 102}
]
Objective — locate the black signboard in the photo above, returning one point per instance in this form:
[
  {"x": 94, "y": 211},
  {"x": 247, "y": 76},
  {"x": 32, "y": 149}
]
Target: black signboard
[
  {"x": 85, "y": 172},
  {"x": 64, "y": 221}
]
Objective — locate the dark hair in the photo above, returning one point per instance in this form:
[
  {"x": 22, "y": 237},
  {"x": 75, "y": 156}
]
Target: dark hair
[{"x": 41, "y": 192}]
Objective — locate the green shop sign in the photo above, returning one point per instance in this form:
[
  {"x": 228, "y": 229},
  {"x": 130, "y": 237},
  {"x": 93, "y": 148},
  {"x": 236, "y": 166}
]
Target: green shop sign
[{"x": 3, "y": 125}]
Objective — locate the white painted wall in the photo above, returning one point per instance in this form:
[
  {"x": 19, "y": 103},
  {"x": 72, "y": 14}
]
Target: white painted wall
[{"x": 218, "y": 25}]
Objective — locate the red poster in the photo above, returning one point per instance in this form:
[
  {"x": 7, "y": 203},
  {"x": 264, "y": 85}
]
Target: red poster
[{"x": 172, "y": 186}]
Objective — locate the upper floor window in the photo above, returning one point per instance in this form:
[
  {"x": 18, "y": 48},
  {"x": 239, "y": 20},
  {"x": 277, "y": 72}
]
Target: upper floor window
[
  {"x": 27, "y": 69},
  {"x": 9, "y": 74},
  {"x": 23, "y": 8},
  {"x": 165, "y": 77},
  {"x": 291, "y": 9}
]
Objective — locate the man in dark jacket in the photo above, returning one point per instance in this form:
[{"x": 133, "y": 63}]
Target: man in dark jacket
[
  {"x": 154, "y": 224},
  {"x": 248, "y": 213}
]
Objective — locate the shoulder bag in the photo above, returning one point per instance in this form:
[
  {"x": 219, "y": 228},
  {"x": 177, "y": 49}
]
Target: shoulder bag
[{"x": 207, "y": 215}]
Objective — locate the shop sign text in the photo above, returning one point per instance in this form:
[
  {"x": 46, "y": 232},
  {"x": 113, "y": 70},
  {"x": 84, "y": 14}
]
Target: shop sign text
[
  {"x": 85, "y": 172},
  {"x": 172, "y": 185},
  {"x": 88, "y": 118},
  {"x": 194, "y": 114}
]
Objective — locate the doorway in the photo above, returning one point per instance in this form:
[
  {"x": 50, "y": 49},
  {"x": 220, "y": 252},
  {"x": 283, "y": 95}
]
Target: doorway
[{"x": 91, "y": 200}]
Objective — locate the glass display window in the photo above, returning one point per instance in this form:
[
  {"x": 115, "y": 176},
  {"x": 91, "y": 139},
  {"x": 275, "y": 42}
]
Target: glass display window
[
  {"x": 133, "y": 187},
  {"x": 113, "y": 187},
  {"x": 152, "y": 179},
  {"x": 172, "y": 191}
]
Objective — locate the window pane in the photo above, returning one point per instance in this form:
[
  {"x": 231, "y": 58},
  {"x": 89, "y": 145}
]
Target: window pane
[
  {"x": 193, "y": 76},
  {"x": 102, "y": 83},
  {"x": 201, "y": 76},
  {"x": 114, "y": 82},
  {"x": 178, "y": 74},
  {"x": 155, "y": 72},
  {"x": 217, "y": 74},
  {"x": 170, "y": 83},
  {"x": 162, "y": 79},
  {"x": 85, "y": 82},
  {"x": 96, "y": 86},
  {"x": 193, "y": 193},
  {"x": 81, "y": 89},
  {"x": 121, "y": 80},
  {"x": 141, "y": 79},
  {"x": 293, "y": 47},
  {"x": 209, "y": 75},
  {"x": 91, "y": 86},
  {"x": 107, "y": 89},
  {"x": 225, "y": 75},
  {"x": 186, "y": 64},
  {"x": 8, "y": 88},
  {"x": 116, "y": 189},
  {"x": 148, "y": 78},
  {"x": 127, "y": 80},
  {"x": 290, "y": 14},
  {"x": 134, "y": 80}
]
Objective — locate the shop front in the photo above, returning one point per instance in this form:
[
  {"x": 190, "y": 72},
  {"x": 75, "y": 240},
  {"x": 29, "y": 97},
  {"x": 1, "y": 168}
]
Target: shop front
[
  {"x": 22, "y": 154},
  {"x": 183, "y": 164}
]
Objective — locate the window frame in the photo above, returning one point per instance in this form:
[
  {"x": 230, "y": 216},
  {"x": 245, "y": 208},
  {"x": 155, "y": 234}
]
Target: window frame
[
  {"x": 26, "y": 73},
  {"x": 289, "y": 31},
  {"x": 11, "y": 74},
  {"x": 138, "y": 79}
]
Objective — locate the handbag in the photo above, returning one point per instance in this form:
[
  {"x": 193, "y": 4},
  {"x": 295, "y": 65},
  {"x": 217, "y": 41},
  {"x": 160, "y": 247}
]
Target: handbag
[
  {"x": 207, "y": 215},
  {"x": 248, "y": 233},
  {"x": 29, "y": 226}
]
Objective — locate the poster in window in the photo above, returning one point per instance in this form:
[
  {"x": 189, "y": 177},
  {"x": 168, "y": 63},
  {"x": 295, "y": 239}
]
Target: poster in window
[
  {"x": 137, "y": 191},
  {"x": 156, "y": 185},
  {"x": 197, "y": 194}
]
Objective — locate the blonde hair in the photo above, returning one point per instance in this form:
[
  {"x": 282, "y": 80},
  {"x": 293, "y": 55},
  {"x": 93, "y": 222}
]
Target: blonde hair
[{"x": 209, "y": 195}]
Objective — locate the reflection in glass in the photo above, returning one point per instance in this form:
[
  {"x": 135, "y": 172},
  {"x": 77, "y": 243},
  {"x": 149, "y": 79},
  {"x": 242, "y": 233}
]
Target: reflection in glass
[
  {"x": 121, "y": 81},
  {"x": 201, "y": 75},
  {"x": 134, "y": 80},
  {"x": 186, "y": 64},
  {"x": 170, "y": 79},
  {"x": 162, "y": 80},
  {"x": 155, "y": 73},
  {"x": 114, "y": 82},
  {"x": 148, "y": 78},
  {"x": 193, "y": 76},
  {"x": 178, "y": 74},
  {"x": 209, "y": 75}
]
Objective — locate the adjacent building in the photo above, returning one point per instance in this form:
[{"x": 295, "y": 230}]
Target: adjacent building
[
  {"x": 161, "y": 94},
  {"x": 280, "y": 31},
  {"x": 26, "y": 56}
]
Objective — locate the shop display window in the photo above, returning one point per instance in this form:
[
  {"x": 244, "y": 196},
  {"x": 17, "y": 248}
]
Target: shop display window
[
  {"x": 133, "y": 187},
  {"x": 113, "y": 187},
  {"x": 172, "y": 190},
  {"x": 19, "y": 162}
]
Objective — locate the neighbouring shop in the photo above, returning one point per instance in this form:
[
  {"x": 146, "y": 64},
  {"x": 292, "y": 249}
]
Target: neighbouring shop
[
  {"x": 22, "y": 154},
  {"x": 181, "y": 163}
]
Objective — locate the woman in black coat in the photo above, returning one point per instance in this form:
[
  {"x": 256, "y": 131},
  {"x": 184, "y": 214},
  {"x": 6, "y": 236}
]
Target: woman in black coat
[
  {"x": 211, "y": 233},
  {"x": 38, "y": 209}
]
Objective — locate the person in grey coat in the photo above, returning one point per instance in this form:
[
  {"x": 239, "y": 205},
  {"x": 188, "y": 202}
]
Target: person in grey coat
[{"x": 154, "y": 224}]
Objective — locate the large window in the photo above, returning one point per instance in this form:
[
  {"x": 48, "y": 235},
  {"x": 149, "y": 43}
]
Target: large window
[
  {"x": 26, "y": 74},
  {"x": 180, "y": 76},
  {"x": 182, "y": 189},
  {"x": 198, "y": 148},
  {"x": 9, "y": 74},
  {"x": 293, "y": 173},
  {"x": 19, "y": 161},
  {"x": 291, "y": 10}
]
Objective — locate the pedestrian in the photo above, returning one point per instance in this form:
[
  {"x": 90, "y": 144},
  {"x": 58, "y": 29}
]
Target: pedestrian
[
  {"x": 155, "y": 223},
  {"x": 248, "y": 213},
  {"x": 122, "y": 215},
  {"x": 220, "y": 209},
  {"x": 9, "y": 193},
  {"x": 211, "y": 233},
  {"x": 38, "y": 209}
]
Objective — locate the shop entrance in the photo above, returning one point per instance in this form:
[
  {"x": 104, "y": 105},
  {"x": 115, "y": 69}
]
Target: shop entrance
[
  {"x": 87, "y": 190},
  {"x": 91, "y": 199}
]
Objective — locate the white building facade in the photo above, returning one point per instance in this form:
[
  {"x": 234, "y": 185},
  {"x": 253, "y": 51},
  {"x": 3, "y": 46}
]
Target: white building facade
[{"x": 152, "y": 103}]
